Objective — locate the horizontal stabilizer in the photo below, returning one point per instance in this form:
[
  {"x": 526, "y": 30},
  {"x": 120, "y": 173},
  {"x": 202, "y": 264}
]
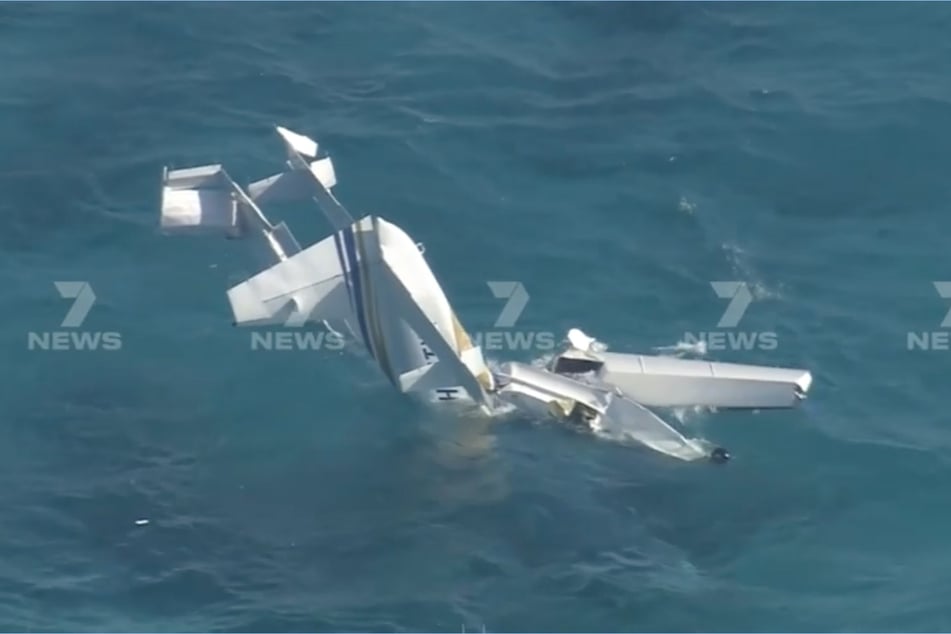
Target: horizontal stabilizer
[
  {"x": 323, "y": 171},
  {"x": 319, "y": 176},
  {"x": 199, "y": 200},
  {"x": 298, "y": 142},
  {"x": 294, "y": 186}
]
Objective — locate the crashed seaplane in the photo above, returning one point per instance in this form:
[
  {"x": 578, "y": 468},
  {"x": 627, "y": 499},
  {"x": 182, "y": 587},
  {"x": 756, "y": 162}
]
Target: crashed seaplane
[{"x": 371, "y": 280}]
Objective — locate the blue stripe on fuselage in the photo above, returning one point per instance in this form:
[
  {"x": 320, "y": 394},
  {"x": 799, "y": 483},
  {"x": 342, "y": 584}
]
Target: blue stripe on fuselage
[
  {"x": 351, "y": 253},
  {"x": 345, "y": 269}
]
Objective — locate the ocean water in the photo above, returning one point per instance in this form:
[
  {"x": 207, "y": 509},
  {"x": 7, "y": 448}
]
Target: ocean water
[{"x": 614, "y": 159}]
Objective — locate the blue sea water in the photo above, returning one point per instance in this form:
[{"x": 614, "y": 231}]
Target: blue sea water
[{"x": 615, "y": 159}]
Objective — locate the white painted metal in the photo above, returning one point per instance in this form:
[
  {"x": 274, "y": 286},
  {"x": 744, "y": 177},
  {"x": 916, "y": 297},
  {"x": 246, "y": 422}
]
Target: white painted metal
[{"x": 371, "y": 277}]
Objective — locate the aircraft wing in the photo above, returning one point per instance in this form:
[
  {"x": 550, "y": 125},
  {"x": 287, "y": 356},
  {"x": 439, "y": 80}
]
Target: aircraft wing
[
  {"x": 656, "y": 381},
  {"x": 308, "y": 286},
  {"x": 667, "y": 382}
]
